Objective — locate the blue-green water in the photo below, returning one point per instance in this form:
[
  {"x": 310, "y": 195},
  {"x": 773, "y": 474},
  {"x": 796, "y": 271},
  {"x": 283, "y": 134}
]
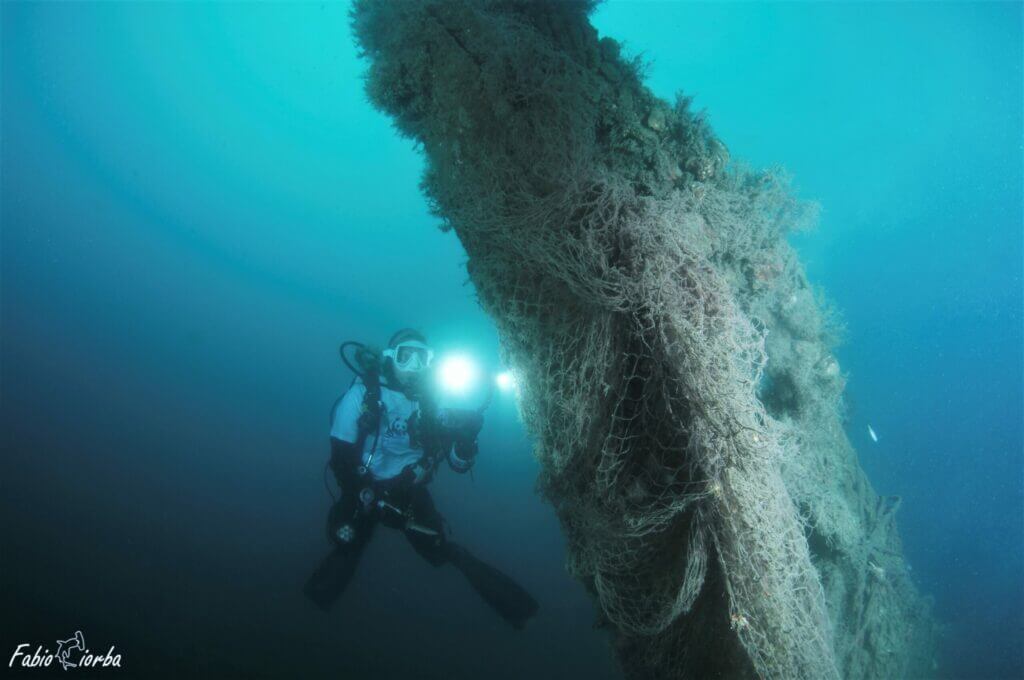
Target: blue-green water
[{"x": 198, "y": 205}]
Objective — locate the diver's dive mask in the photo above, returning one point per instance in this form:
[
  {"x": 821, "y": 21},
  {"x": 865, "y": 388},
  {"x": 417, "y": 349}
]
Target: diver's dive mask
[{"x": 411, "y": 356}]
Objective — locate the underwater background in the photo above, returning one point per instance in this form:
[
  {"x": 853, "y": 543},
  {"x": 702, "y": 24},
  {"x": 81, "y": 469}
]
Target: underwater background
[{"x": 199, "y": 205}]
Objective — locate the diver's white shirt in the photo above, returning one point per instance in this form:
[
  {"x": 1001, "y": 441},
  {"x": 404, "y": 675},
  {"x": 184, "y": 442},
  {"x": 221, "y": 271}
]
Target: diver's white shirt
[{"x": 394, "y": 449}]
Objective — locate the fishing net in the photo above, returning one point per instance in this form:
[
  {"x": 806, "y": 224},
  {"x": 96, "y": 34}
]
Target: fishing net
[{"x": 675, "y": 366}]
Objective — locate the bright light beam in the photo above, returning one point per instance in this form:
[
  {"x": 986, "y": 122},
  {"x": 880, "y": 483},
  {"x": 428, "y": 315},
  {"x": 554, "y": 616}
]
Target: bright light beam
[
  {"x": 505, "y": 381},
  {"x": 457, "y": 373}
]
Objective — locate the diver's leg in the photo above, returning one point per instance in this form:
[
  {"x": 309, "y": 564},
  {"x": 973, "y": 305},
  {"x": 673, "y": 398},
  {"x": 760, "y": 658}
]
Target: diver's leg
[
  {"x": 329, "y": 580},
  {"x": 425, "y": 532},
  {"x": 424, "y": 528}
]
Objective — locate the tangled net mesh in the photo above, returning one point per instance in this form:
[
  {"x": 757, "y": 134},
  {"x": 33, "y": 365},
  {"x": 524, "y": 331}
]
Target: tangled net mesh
[{"x": 675, "y": 367}]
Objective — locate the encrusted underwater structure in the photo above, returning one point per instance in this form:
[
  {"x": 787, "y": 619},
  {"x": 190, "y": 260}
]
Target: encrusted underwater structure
[{"x": 676, "y": 369}]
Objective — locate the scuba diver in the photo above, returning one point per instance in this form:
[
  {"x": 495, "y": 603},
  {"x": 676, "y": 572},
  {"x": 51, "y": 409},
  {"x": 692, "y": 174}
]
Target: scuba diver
[{"x": 387, "y": 438}]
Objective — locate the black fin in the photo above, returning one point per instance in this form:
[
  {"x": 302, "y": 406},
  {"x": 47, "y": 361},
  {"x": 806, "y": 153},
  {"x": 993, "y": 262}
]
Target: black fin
[{"x": 504, "y": 595}]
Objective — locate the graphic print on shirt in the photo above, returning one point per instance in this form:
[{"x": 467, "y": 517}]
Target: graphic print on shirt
[{"x": 398, "y": 427}]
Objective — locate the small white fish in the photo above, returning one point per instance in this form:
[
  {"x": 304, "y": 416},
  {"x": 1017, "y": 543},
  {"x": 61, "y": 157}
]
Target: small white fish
[{"x": 871, "y": 433}]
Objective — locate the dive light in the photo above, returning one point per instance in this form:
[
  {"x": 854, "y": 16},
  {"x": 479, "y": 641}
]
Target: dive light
[{"x": 457, "y": 374}]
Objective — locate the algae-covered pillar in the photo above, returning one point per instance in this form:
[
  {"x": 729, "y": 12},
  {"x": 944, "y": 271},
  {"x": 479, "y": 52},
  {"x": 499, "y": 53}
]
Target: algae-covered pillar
[{"x": 676, "y": 370}]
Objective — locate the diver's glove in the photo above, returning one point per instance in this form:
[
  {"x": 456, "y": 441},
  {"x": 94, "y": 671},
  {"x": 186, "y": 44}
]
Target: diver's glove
[
  {"x": 462, "y": 455},
  {"x": 461, "y": 427}
]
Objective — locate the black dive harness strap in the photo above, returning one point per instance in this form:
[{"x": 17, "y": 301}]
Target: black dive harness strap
[
  {"x": 370, "y": 420},
  {"x": 430, "y": 436},
  {"x": 370, "y": 417},
  {"x": 377, "y": 493}
]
